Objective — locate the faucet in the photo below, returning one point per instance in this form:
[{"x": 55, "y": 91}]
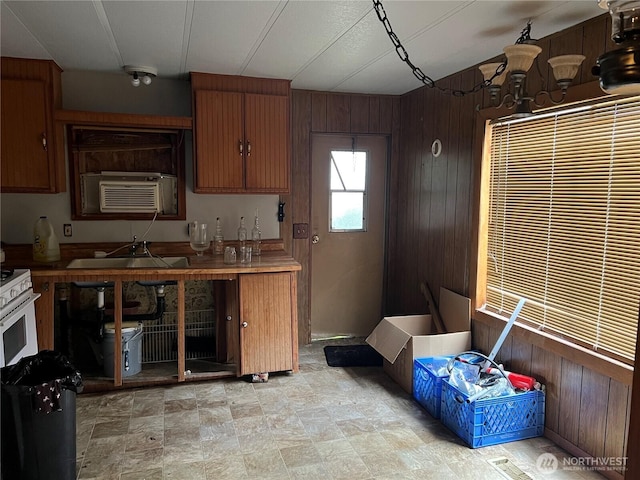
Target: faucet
[
  {"x": 134, "y": 246},
  {"x": 145, "y": 250}
]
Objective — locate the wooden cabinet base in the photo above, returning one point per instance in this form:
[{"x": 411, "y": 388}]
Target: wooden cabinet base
[
  {"x": 268, "y": 323},
  {"x": 256, "y": 323}
]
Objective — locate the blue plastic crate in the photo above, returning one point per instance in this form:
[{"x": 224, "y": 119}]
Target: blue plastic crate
[
  {"x": 492, "y": 420},
  {"x": 427, "y": 385}
]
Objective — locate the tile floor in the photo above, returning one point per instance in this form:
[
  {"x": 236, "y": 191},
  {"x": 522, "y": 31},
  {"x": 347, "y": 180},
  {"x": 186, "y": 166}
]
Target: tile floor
[{"x": 321, "y": 423}]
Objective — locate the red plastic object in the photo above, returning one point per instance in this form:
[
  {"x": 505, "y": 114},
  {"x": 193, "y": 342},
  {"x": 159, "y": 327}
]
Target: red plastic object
[{"x": 518, "y": 380}]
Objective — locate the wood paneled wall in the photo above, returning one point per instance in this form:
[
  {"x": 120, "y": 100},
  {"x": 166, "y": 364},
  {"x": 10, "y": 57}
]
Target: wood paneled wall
[
  {"x": 586, "y": 412},
  {"x": 434, "y": 224},
  {"x": 331, "y": 113}
]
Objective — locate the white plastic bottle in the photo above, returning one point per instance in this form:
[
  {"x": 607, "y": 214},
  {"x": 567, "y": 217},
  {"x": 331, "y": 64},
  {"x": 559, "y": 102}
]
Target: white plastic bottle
[
  {"x": 218, "y": 239},
  {"x": 45, "y": 242}
]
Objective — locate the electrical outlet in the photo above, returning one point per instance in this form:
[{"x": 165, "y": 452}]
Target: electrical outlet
[
  {"x": 67, "y": 230},
  {"x": 300, "y": 230}
]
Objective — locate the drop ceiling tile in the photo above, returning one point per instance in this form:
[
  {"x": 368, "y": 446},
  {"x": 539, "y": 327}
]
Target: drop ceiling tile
[
  {"x": 136, "y": 27},
  {"x": 70, "y": 31},
  {"x": 368, "y": 41},
  {"x": 301, "y": 33},
  {"x": 16, "y": 40},
  {"x": 224, "y": 33}
]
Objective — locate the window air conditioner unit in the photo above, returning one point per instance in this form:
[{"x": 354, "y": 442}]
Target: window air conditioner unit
[
  {"x": 129, "y": 196},
  {"x": 129, "y": 192}
]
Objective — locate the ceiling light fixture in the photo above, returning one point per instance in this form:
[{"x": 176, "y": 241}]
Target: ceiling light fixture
[
  {"x": 520, "y": 58},
  {"x": 138, "y": 74},
  {"x": 619, "y": 70}
]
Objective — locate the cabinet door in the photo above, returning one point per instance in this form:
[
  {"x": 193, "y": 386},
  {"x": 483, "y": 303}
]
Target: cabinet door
[
  {"x": 27, "y": 164},
  {"x": 266, "y": 331},
  {"x": 219, "y": 161},
  {"x": 267, "y": 137}
]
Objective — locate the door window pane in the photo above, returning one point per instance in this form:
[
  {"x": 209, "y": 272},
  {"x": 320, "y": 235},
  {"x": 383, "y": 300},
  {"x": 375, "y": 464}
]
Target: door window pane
[
  {"x": 348, "y": 191},
  {"x": 347, "y": 211}
]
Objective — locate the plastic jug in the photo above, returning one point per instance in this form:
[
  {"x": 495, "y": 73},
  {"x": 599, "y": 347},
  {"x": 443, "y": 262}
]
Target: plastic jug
[{"x": 45, "y": 243}]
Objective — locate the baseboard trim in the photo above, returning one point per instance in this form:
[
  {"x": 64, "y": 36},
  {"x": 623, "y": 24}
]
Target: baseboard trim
[{"x": 577, "y": 452}]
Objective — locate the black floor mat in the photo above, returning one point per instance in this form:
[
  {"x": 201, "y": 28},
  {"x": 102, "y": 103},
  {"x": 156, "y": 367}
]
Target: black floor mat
[{"x": 352, "y": 356}]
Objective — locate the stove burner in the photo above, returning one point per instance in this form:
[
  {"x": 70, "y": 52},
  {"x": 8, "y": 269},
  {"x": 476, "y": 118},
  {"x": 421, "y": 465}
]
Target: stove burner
[{"x": 6, "y": 273}]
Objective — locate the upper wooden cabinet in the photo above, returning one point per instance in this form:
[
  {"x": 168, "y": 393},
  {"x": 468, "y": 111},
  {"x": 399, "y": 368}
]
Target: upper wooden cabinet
[
  {"x": 32, "y": 150},
  {"x": 241, "y": 129}
]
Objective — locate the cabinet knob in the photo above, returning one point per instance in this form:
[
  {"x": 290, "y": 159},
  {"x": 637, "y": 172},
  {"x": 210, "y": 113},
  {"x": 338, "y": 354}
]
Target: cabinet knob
[
  {"x": 240, "y": 147},
  {"x": 44, "y": 142},
  {"x": 248, "y": 148},
  {"x": 245, "y": 324},
  {"x": 228, "y": 318}
]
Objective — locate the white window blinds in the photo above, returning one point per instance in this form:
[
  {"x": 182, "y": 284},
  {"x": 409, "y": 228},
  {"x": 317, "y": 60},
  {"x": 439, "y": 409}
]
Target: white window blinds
[{"x": 564, "y": 223}]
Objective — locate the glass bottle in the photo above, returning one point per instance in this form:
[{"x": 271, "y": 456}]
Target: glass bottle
[
  {"x": 242, "y": 233},
  {"x": 218, "y": 239},
  {"x": 256, "y": 236}
]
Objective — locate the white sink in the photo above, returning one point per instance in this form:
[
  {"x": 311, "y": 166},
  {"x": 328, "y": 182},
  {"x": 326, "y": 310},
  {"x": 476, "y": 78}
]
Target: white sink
[
  {"x": 130, "y": 262},
  {"x": 99, "y": 263},
  {"x": 159, "y": 262}
]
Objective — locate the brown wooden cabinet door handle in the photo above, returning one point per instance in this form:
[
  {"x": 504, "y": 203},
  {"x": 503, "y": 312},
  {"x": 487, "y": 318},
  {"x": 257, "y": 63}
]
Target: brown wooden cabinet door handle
[
  {"x": 240, "y": 147},
  {"x": 44, "y": 142},
  {"x": 248, "y": 148}
]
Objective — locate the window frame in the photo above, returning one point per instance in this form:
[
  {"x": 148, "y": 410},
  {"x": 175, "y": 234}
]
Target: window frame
[
  {"x": 364, "y": 191},
  {"x": 609, "y": 367}
]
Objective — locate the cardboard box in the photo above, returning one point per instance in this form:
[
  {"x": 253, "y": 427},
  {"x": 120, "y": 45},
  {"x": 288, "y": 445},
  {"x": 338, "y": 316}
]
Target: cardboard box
[{"x": 401, "y": 339}]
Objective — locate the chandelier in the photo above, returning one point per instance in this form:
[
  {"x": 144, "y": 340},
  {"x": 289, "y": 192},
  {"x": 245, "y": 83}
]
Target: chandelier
[
  {"x": 619, "y": 70},
  {"x": 520, "y": 59}
]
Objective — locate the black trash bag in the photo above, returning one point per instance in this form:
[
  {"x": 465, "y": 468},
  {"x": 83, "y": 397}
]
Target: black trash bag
[
  {"x": 38, "y": 396},
  {"x": 44, "y": 366}
]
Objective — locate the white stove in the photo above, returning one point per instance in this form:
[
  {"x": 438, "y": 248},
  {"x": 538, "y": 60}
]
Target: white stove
[
  {"x": 12, "y": 284},
  {"x": 17, "y": 316}
]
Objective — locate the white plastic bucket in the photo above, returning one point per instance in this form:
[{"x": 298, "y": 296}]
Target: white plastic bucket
[{"x": 131, "y": 348}]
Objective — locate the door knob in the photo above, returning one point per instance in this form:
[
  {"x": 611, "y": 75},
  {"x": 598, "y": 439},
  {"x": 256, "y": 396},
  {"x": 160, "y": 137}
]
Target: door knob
[
  {"x": 245, "y": 324},
  {"x": 315, "y": 238}
]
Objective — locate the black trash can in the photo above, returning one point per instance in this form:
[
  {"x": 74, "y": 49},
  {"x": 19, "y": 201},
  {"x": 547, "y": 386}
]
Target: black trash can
[{"x": 39, "y": 418}]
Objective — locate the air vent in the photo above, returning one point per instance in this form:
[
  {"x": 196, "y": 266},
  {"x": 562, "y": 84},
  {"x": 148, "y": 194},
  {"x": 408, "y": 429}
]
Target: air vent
[{"x": 129, "y": 196}]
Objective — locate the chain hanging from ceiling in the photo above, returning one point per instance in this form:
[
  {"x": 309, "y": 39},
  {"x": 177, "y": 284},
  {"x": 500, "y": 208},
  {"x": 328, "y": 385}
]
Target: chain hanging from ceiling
[{"x": 424, "y": 78}]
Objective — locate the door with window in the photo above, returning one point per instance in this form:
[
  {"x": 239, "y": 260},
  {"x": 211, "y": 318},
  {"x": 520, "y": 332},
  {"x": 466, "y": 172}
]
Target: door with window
[{"x": 348, "y": 230}]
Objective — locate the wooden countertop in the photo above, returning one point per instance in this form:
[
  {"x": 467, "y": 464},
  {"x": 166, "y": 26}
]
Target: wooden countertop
[
  {"x": 199, "y": 267},
  {"x": 207, "y": 266}
]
